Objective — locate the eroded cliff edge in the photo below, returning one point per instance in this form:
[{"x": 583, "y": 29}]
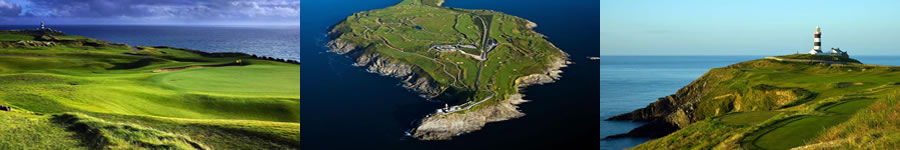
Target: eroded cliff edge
[{"x": 374, "y": 63}]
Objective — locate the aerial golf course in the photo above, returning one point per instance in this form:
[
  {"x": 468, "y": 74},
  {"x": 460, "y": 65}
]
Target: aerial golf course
[
  {"x": 405, "y": 32},
  {"x": 72, "y": 92},
  {"x": 475, "y": 61}
]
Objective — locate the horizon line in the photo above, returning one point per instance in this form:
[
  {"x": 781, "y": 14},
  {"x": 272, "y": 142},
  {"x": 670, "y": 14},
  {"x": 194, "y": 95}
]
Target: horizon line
[{"x": 154, "y": 24}]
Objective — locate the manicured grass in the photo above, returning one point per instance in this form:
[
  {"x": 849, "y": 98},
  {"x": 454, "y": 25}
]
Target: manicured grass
[
  {"x": 257, "y": 80},
  {"x": 794, "y": 132},
  {"x": 820, "y": 57},
  {"x": 748, "y": 118}
]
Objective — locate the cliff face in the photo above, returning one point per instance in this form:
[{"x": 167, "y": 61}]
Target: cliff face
[
  {"x": 676, "y": 108},
  {"x": 374, "y": 63},
  {"x": 715, "y": 93}
]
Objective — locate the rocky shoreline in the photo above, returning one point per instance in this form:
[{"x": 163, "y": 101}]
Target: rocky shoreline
[{"x": 437, "y": 126}]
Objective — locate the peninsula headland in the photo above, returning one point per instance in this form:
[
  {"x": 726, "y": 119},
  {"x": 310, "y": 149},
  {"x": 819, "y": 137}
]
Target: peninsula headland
[
  {"x": 799, "y": 101},
  {"x": 476, "y": 61}
]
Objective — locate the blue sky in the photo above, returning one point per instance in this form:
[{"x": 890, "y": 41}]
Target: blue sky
[
  {"x": 179, "y": 12},
  {"x": 692, "y": 27}
]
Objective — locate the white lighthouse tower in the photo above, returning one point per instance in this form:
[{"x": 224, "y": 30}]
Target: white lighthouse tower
[{"x": 817, "y": 43}]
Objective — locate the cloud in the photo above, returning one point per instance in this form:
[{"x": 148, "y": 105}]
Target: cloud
[
  {"x": 9, "y": 9},
  {"x": 167, "y": 10}
]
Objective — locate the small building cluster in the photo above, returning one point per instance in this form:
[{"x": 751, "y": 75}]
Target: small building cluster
[
  {"x": 448, "y": 109},
  {"x": 817, "y": 47},
  {"x": 44, "y": 27}
]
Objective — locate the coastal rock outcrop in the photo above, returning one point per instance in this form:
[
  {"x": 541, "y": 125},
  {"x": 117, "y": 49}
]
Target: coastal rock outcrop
[
  {"x": 683, "y": 108},
  {"x": 549, "y": 76},
  {"x": 339, "y": 46},
  {"x": 445, "y": 126},
  {"x": 30, "y": 43}
]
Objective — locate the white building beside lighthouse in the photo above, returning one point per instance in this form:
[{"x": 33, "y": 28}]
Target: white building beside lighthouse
[{"x": 817, "y": 46}]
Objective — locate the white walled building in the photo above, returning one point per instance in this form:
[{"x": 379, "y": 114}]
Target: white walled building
[{"x": 817, "y": 46}]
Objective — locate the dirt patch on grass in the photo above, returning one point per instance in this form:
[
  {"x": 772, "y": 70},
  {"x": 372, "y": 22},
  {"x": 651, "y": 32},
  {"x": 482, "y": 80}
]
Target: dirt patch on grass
[{"x": 847, "y": 84}]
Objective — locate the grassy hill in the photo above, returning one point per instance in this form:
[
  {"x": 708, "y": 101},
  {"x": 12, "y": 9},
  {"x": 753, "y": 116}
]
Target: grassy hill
[
  {"x": 82, "y": 93},
  {"x": 773, "y": 104}
]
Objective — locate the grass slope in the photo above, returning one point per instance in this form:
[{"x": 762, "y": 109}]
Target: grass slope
[
  {"x": 118, "y": 89},
  {"x": 769, "y": 104}
]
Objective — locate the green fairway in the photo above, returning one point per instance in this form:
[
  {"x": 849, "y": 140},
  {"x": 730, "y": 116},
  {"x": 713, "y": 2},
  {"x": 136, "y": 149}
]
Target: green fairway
[
  {"x": 259, "y": 80},
  {"x": 748, "y": 118},
  {"x": 800, "y": 130},
  {"x": 151, "y": 98},
  {"x": 794, "y": 132}
]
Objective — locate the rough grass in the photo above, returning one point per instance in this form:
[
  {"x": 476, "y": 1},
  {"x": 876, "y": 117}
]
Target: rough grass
[
  {"x": 23, "y": 131},
  {"x": 99, "y": 134},
  {"x": 6, "y": 36},
  {"x": 219, "y": 133},
  {"x": 694, "y": 137},
  {"x": 874, "y": 127}
]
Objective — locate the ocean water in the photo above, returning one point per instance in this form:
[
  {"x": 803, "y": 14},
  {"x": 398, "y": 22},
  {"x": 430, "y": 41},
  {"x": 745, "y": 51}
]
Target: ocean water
[
  {"x": 632, "y": 82},
  {"x": 272, "y": 41},
  {"x": 344, "y": 107}
]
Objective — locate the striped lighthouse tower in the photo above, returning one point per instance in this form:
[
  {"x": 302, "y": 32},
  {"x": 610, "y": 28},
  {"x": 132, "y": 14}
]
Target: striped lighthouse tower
[{"x": 817, "y": 43}]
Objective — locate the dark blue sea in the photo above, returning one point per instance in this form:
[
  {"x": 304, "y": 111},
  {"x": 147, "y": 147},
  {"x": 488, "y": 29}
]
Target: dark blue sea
[
  {"x": 272, "y": 41},
  {"x": 344, "y": 107},
  {"x": 632, "y": 82}
]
